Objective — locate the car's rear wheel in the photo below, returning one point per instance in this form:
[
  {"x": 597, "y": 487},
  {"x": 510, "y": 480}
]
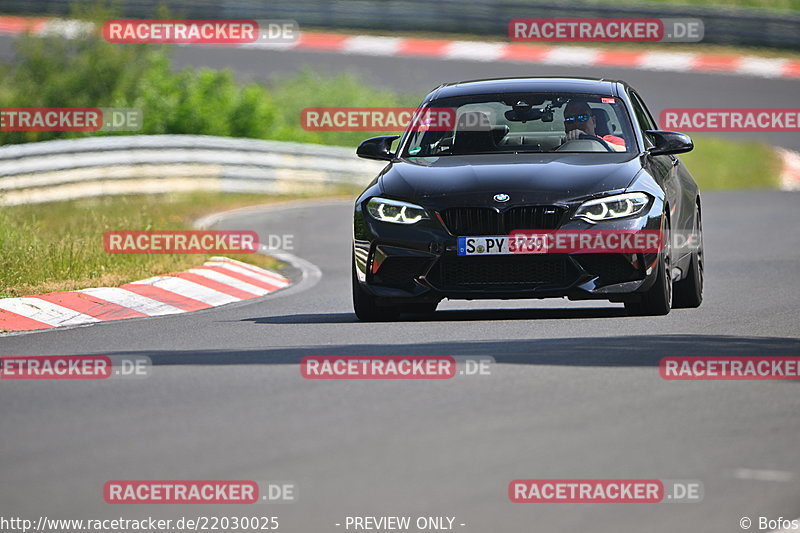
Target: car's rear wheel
[
  {"x": 657, "y": 300},
  {"x": 364, "y": 304},
  {"x": 689, "y": 291}
]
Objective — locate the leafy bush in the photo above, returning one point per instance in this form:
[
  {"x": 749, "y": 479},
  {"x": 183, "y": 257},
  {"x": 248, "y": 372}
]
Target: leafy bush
[
  {"x": 89, "y": 72},
  {"x": 54, "y": 72}
]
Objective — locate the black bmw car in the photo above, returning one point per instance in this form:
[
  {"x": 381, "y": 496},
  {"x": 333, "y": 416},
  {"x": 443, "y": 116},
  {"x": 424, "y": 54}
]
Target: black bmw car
[{"x": 517, "y": 155}]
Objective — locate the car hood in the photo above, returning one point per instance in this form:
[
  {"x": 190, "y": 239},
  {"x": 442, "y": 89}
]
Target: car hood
[{"x": 527, "y": 178}]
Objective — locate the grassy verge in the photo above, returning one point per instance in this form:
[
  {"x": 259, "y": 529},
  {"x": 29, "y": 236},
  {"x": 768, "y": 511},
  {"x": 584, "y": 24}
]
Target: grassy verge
[
  {"x": 59, "y": 246},
  {"x": 718, "y": 163}
]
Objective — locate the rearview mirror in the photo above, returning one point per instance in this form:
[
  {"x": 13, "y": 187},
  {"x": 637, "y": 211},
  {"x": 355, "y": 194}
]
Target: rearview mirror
[
  {"x": 379, "y": 148},
  {"x": 669, "y": 142},
  {"x": 525, "y": 114}
]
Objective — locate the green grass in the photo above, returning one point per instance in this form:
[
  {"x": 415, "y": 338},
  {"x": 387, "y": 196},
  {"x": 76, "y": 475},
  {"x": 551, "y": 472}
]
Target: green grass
[
  {"x": 59, "y": 246},
  {"x": 718, "y": 163},
  {"x": 308, "y": 89}
]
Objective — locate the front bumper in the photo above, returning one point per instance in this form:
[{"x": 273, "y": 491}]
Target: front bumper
[{"x": 419, "y": 263}]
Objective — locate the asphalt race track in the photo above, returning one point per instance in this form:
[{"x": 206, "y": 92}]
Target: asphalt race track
[{"x": 575, "y": 393}]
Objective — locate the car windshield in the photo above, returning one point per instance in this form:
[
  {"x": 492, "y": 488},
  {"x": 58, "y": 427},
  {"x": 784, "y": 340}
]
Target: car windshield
[{"x": 519, "y": 123}]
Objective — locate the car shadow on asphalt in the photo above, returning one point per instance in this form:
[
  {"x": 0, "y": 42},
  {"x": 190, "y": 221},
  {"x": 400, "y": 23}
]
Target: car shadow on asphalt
[
  {"x": 454, "y": 315},
  {"x": 590, "y": 351}
]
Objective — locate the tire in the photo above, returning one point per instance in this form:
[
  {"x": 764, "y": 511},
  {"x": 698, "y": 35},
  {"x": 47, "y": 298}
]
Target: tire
[
  {"x": 424, "y": 309},
  {"x": 689, "y": 290},
  {"x": 657, "y": 300},
  {"x": 364, "y": 303}
]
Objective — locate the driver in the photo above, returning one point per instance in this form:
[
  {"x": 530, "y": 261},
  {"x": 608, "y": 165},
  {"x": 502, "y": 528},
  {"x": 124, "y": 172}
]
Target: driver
[{"x": 580, "y": 120}]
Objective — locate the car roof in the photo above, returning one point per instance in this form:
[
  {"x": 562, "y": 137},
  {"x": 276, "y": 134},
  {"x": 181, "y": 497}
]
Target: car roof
[{"x": 528, "y": 84}]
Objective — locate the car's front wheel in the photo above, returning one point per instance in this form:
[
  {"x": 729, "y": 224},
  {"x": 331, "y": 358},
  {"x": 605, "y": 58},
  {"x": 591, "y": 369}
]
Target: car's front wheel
[
  {"x": 421, "y": 309},
  {"x": 658, "y": 299},
  {"x": 689, "y": 291},
  {"x": 364, "y": 304}
]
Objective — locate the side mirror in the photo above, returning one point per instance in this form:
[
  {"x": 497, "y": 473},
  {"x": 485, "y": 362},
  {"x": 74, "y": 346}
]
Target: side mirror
[
  {"x": 669, "y": 142},
  {"x": 379, "y": 148}
]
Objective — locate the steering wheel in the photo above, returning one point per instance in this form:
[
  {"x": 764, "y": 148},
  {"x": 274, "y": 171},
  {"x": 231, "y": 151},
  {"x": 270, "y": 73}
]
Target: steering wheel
[{"x": 587, "y": 137}]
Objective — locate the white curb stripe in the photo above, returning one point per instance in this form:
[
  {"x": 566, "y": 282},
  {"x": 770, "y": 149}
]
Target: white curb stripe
[
  {"x": 474, "y": 50},
  {"x": 790, "y": 173},
  {"x": 673, "y": 61},
  {"x": 189, "y": 289},
  {"x": 373, "y": 46},
  {"x": 46, "y": 312},
  {"x": 572, "y": 56},
  {"x": 230, "y": 281},
  {"x": 764, "y": 67},
  {"x": 253, "y": 268},
  {"x": 249, "y": 273},
  {"x": 67, "y": 28},
  {"x": 131, "y": 300}
]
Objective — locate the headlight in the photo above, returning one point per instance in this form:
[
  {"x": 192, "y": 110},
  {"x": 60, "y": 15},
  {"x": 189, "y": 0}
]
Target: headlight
[
  {"x": 395, "y": 211},
  {"x": 611, "y": 207}
]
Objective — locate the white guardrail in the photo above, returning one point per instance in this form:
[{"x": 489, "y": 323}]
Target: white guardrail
[{"x": 96, "y": 166}]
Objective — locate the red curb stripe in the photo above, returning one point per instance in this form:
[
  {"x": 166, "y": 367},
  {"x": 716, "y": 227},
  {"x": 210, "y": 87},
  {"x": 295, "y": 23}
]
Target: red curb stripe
[
  {"x": 791, "y": 69},
  {"x": 618, "y": 58},
  {"x": 720, "y": 62},
  {"x": 90, "y": 305},
  {"x": 174, "y": 299},
  {"x": 221, "y": 287},
  {"x": 13, "y": 322},
  {"x": 522, "y": 52},
  {"x": 21, "y": 24},
  {"x": 422, "y": 47},
  {"x": 241, "y": 277},
  {"x": 321, "y": 41}
]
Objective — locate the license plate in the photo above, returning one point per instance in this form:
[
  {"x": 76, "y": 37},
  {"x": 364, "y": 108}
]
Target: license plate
[{"x": 503, "y": 245}]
